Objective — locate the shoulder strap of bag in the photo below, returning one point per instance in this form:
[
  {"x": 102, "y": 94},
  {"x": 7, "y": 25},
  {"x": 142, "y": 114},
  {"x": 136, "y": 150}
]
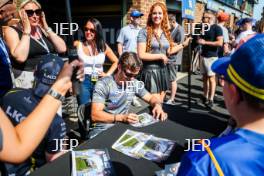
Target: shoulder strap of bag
[{"x": 215, "y": 162}]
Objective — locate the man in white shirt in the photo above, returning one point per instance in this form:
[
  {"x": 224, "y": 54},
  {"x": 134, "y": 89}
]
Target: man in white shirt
[
  {"x": 246, "y": 24},
  {"x": 127, "y": 38}
]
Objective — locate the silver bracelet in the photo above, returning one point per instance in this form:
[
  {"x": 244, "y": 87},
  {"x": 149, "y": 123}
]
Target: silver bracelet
[
  {"x": 56, "y": 95},
  {"x": 26, "y": 34}
]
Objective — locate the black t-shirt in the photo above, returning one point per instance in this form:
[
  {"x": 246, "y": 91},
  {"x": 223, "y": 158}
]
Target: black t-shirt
[
  {"x": 211, "y": 35},
  {"x": 35, "y": 52}
]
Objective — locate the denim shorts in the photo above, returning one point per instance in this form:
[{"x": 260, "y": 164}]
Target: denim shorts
[{"x": 86, "y": 90}]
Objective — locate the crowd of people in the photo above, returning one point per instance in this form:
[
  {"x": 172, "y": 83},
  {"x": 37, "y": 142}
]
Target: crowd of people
[
  {"x": 216, "y": 43},
  {"x": 32, "y": 72},
  {"x": 30, "y": 118}
]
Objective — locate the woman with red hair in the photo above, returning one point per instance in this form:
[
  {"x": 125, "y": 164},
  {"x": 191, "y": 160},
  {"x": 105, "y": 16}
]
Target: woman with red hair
[{"x": 154, "y": 47}]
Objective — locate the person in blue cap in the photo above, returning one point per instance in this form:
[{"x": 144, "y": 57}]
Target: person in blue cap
[
  {"x": 240, "y": 152},
  {"x": 46, "y": 73},
  {"x": 246, "y": 25},
  {"x": 127, "y": 38}
]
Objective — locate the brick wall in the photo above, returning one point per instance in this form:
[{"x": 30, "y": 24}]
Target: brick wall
[
  {"x": 231, "y": 21},
  {"x": 143, "y": 6},
  {"x": 199, "y": 10}
]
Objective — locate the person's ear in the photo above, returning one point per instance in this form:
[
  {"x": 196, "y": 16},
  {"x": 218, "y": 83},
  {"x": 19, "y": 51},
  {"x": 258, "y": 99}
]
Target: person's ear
[
  {"x": 119, "y": 67},
  {"x": 234, "y": 94}
]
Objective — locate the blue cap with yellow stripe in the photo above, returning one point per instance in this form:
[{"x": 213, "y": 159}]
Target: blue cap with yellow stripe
[{"x": 245, "y": 68}]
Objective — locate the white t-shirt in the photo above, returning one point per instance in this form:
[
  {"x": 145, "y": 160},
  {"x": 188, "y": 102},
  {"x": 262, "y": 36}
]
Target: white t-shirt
[
  {"x": 91, "y": 63},
  {"x": 243, "y": 35},
  {"x": 128, "y": 37}
]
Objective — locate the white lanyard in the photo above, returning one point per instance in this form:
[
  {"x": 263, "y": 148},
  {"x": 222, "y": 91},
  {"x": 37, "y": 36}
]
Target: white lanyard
[
  {"x": 91, "y": 53},
  {"x": 42, "y": 43}
]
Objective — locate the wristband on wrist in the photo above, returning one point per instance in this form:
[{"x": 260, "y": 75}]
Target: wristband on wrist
[
  {"x": 158, "y": 104},
  {"x": 26, "y": 33},
  {"x": 114, "y": 118},
  {"x": 49, "y": 30},
  {"x": 56, "y": 95}
]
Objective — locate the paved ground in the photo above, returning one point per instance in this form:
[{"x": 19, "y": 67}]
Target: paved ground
[{"x": 196, "y": 94}]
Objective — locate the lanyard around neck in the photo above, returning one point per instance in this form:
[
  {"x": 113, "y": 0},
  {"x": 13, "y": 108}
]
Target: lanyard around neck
[
  {"x": 92, "y": 54},
  {"x": 41, "y": 42},
  {"x": 158, "y": 40}
]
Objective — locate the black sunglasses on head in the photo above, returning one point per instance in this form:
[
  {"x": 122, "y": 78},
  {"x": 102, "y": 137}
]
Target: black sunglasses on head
[
  {"x": 129, "y": 75},
  {"x": 30, "y": 13},
  {"x": 89, "y": 29}
]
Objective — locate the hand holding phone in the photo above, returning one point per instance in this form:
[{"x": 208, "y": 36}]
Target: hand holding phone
[{"x": 72, "y": 55}]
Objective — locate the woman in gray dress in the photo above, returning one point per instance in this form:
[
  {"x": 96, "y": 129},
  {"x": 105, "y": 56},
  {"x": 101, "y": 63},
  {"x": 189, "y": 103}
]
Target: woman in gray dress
[{"x": 154, "y": 46}]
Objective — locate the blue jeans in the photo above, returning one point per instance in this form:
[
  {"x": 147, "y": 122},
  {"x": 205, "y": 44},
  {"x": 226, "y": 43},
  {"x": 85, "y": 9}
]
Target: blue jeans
[{"x": 86, "y": 90}]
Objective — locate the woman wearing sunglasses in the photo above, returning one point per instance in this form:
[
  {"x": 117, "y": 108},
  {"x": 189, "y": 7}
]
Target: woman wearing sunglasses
[
  {"x": 29, "y": 40},
  {"x": 92, "y": 51}
]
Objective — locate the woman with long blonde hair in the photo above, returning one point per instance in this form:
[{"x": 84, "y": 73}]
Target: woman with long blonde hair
[
  {"x": 30, "y": 41},
  {"x": 154, "y": 47}
]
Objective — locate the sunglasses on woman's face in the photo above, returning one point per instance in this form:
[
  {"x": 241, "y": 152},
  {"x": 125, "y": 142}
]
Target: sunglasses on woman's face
[
  {"x": 89, "y": 29},
  {"x": 30, "y": 13}
]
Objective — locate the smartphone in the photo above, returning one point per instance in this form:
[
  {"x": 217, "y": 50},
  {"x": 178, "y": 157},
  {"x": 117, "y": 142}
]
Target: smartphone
[{"x": 73, "y": 55}]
